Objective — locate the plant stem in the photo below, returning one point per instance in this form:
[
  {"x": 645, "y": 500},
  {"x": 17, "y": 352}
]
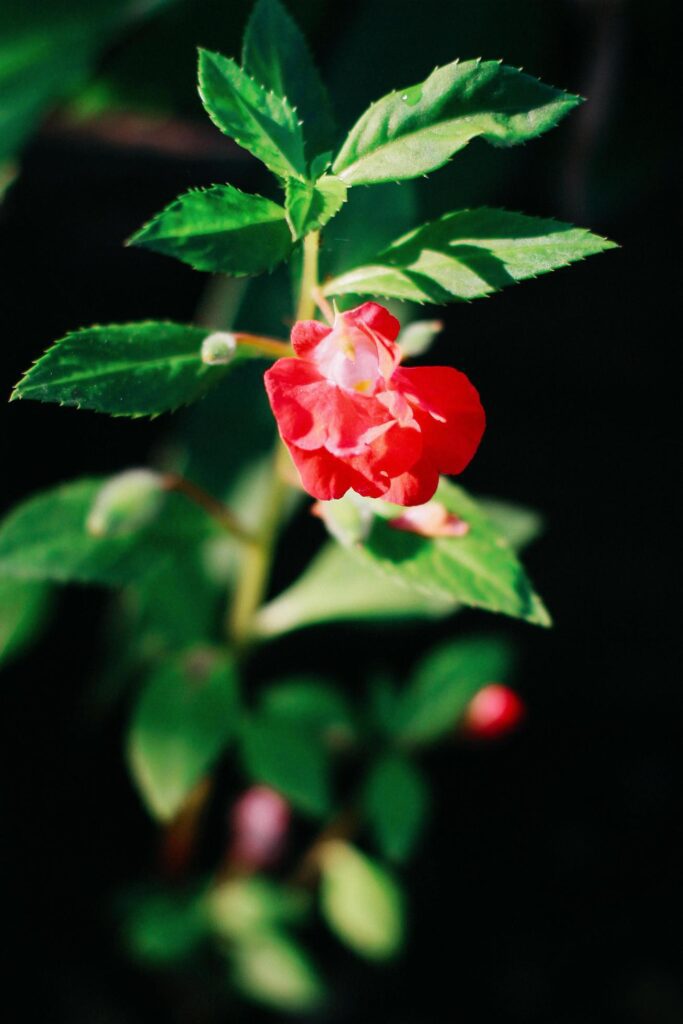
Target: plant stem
[
  {"x": 212, "y": 506},
  {"x": 269, "y": 346},
  {"x": 257, "y": 557},
  {"x": 309, "y": 277}
]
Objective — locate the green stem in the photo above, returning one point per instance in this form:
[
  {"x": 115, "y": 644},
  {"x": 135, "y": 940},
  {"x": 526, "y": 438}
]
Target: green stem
[
  {"x": 309, "y": 277},
  {"x": 257, "y": 558}
]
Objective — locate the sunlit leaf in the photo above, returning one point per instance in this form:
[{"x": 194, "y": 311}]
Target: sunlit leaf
[
  {"x": 137, "y": 369},
  {"x": 469, "y": 254},
  {"x": 273, "y": 969},
  {"x": 259, "y": 120},
  {"x": 416, "y": 130},
  {"x": 310, "y": 206},
  {"x": 220, "y": 229},
  {"x": 276, "y": 53}
]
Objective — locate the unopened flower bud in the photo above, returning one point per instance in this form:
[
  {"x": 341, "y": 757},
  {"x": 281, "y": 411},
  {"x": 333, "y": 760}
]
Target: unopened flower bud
[
  {"x": 218, "y": 348},
  {"x": 126, "y": 503},
  {"x": 260, "y": 822},
  {"x": 494, "y": 711}
]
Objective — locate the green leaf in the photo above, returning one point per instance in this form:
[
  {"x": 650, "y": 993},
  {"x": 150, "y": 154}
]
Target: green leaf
[
  {"x": 478, "y": 569},
  {"x": 276, "y": 53},
  {"x": 416, "y": 130},
  {"x": 241, "y": 906},
  {"x": 185, "y": 716},
  {"x": 291, "y": 759},
  {"x": 310, "y": 206},
  {"x": 161, "y": 927},
  {"x": 396, "y": 801},
  {"x": 23, "y": 606},
  {"x": 273, "y": 969},
  {"x": 468, "y": 254},
  {"x": 137, "y": 369},
  {"x": 361, "y": 903},
  {"x": 256, "y": 119},
  {"x": 219, "y": 229},
  {"x": 312, "y": 704},
  {"x": 335, "y": 588},
  {"x": 444, "y": 683},
  {"x": 46, "y": 538}
]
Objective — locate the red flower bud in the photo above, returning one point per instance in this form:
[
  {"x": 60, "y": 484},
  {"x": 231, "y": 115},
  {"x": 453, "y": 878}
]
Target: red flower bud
[
  {"x": 353, "y": 419},
  {"x": 494, "y": 711},
  {"x": 260, "y": 821}
]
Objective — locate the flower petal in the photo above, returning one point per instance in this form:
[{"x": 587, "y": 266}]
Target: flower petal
[
  {"x": 416, "y": 486},
  {"x": 448, "y": 410},
  {"x": 306, "y": 334},
  {"x": 327, "y": 477},
  {"x": 376, "y": 317}
]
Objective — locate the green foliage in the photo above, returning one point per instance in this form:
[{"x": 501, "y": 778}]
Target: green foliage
[
  {"x": 312, "y": 704},
  {"x": 46, "y": 538},
  {"x": 23, "y": 606},
  {"x": 290, "y": 758},
  {"x": 335, "y": 588},
  {"x": 443, "y": 685},
  {"x": 272, "y": 968},
  {"x": 161, "y": 928},
  {"x": 220, "y": 229},
  {"x": 185, "y": 715},
  {"x": 257, "y": 119},
  {"x": 417, "y": 337},
  {"x": 469, "y": 254},
  {"x": 310, "y": 206},
  {"x": 396, "y": 802},
  {"x": 360, "y": 901},
  {"x": 241, "y": 907},
  {"x": 137, "y": 369},
  {"x": 277, "y": 55},
  {"x": 416, "y": 130}
]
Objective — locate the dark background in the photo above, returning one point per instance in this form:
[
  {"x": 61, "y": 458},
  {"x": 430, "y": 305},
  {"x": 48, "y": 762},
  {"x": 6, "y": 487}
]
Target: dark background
[{"x": 548, "y": 888}]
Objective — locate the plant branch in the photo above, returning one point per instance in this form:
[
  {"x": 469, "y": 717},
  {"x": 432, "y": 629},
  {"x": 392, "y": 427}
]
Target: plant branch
[
  {"x": 309, "y": 277},
  {"x": 212, "y": 506}
]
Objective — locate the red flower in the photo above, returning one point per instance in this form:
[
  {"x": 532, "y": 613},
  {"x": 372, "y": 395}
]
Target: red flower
[{"x": 353, "y": 419}]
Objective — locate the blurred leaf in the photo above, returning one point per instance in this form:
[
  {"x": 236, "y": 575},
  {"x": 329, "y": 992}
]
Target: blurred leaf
[
  {"x": 185, "y": 716},
  {"x": 369, "y": 220},
  {"x": 469, "y": 254},
  {"x": 137, "y": 369},
  {"x": 312, "y": 704},
  {"x": 518, "y": 524},
  {"x": 310, "y": 206},
  {"x": 256, "y": 119},
  {"x": 23, "y": 606},
  {"x": 273, "y": 969},
  {"x": 290, "y": 759},
  {"x": 162, "y": 927},
  {"x": 242, "y": 906},
  {"x": 444, "y": 683},
  {"x": 334, "y": 587},
  {"x": 219, "y": 229},
  {"x": 396, "y": 801},
  {"x": 35, "y": 73},
  {"x": 417, "y": 337},
  {"x": 361, "y": 903},
  {"x": 45, "y": 538},
  {"x": 276, "y": 53},
  {"x": 416, "y": 130}
]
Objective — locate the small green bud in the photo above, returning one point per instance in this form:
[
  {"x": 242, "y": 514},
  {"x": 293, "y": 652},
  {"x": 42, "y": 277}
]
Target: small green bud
[
  {"x": 218, "y": 348},
  {"x": 126, "y": 503}
]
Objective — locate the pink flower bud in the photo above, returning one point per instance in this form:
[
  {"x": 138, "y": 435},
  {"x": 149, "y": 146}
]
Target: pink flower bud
[
  {"x": 494, "y": 711},
  {"x": 259, "y": 821}
]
